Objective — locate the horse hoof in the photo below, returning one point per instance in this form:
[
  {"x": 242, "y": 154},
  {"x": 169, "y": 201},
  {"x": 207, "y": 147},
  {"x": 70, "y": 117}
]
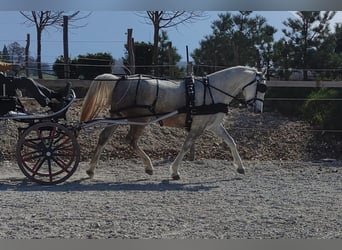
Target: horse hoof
[
  {"x": 90, "y": 174},
  {"x": 241, "y": 171},
  {"x": 149, "y": 171},
  {"x": 176, "y": 177}
]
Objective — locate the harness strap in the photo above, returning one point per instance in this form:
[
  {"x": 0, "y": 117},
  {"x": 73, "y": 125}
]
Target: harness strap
[
  {"x": 153, "y": 105},
  {"x": 189, "y": 100},
  {"x": 205, "y": 109},
  {"x": 151, "y": 108},
  {"x": 227, "y": 94},
  {"x": 137, "y": 90},
  {"x": 205, "y": 81},
  {"x": 208, "y": 109}
]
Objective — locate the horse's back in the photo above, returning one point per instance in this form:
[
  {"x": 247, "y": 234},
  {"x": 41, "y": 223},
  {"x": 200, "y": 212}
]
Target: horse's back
[
  {"x": 143, "y": 90},
  {"x": 107, "y": 76}
]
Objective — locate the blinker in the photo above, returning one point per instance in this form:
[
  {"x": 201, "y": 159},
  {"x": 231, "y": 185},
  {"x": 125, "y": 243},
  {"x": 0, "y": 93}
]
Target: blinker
[{"x": 261, "y": 87}]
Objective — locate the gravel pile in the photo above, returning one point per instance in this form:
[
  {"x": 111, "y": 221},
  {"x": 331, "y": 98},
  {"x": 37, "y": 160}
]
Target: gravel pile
[{"x": 269, "y": 136}]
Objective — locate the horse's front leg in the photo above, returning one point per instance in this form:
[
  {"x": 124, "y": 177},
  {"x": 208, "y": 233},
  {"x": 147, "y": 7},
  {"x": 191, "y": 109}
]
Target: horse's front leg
[
  {"x": 222, "y": 132},
  {"x": 189, "y": 141},
  {"x": 103, "y": 139},
  {"x": 133, "y": 138}
]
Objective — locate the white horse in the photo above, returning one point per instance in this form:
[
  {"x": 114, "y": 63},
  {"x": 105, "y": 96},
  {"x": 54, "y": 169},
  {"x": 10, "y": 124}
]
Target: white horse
[{"x": 201, "y": 105}]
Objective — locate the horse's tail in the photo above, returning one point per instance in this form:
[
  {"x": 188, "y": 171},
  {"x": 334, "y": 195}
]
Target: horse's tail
[{"x": 98, "y": 97}]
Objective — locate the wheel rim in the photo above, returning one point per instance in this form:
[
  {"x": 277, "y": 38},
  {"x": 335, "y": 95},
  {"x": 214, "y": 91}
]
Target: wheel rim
[{"x": 48, "y": 153}]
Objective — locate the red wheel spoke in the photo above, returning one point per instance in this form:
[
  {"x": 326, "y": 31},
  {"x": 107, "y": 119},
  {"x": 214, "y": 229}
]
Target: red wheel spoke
[
  {"x": 37, "y": 166},
  {"x": 29, "y": 156},
  {"x": 59, "y": 143},
  {"x": 31, "y": 143},
  {"x": 61, "y": 164}
]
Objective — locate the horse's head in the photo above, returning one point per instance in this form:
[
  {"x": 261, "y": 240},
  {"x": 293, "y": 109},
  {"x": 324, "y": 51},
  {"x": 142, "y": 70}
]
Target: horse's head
[{"x": 254, "y": 92}]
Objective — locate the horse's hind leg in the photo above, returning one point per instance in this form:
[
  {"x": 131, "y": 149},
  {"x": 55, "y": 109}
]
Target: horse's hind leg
[
  {"x": 103, "y": 139},
  {"x": 133, "y": 137},
  {"x": 221, "y": 132}
]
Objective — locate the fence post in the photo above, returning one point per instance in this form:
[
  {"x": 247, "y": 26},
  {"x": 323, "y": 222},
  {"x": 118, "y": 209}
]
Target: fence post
[
  {"x": 27, "y": 49},
  {"x": 130, "y": 45}
]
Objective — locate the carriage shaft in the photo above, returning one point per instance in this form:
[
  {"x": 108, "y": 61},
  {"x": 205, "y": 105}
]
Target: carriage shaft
[{"x": 126, "y": 121}]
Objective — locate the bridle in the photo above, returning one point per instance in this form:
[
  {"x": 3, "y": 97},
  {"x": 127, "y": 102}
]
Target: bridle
[{"x": 260, "y": 88}]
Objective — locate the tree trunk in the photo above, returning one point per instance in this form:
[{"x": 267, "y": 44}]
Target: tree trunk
[{"x": 39, "y": 51}]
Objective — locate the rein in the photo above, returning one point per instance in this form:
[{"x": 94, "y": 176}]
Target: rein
[{"x": 261, "y": 87}]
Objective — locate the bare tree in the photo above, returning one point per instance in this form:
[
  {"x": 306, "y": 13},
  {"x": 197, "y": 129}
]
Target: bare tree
[
  {"x": 44, "y": 19},
  {"x": 167, "y": 19}
]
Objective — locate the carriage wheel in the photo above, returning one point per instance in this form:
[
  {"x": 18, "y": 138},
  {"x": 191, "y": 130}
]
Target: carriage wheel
[{"x": 48, "y": 153}]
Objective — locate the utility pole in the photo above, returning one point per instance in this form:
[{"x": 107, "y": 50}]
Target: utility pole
[{"x": 66, "y": 47}]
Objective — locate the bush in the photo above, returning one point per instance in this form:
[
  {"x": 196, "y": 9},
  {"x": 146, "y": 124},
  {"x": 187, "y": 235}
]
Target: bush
[
  {"x": 85, "y": 66},
  {"x": 58, "y": 68},
  {"x": 323, "y": 110},
  {"x": 287, "y": 100},
  {"x": 91, "y": 65}
]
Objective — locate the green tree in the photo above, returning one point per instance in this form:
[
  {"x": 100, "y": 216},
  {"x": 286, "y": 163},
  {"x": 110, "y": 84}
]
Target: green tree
[
  {"x": 143, "y": 57},
  {"x": 167, "y": 58},
  {"x": 338, "y": 36},
  {"x": 266, "y": 49},
  {"x": 240, "y": 39},
  {"x": 306, "y": 33},
  {"x": 85, "y": 66},
  {"x": 337, "y": 53},
  {"x": 282, "y": 58}
]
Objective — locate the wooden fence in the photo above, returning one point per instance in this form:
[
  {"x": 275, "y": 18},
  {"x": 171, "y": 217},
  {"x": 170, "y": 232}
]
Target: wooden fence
[
  {"x": 272, "y": 83},
  {"x": 307, "y": 84}
]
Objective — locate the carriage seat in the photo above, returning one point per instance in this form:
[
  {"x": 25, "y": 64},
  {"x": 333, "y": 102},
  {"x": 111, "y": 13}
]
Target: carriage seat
[
  {"x": 7, "y": 104},
  {"x": 8, "y": 96}
]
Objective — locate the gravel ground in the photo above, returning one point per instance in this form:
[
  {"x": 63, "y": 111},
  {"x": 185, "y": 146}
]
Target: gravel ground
[
  {"x": 292, "y": 200},
  {"x": 292, "y": 188}
]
